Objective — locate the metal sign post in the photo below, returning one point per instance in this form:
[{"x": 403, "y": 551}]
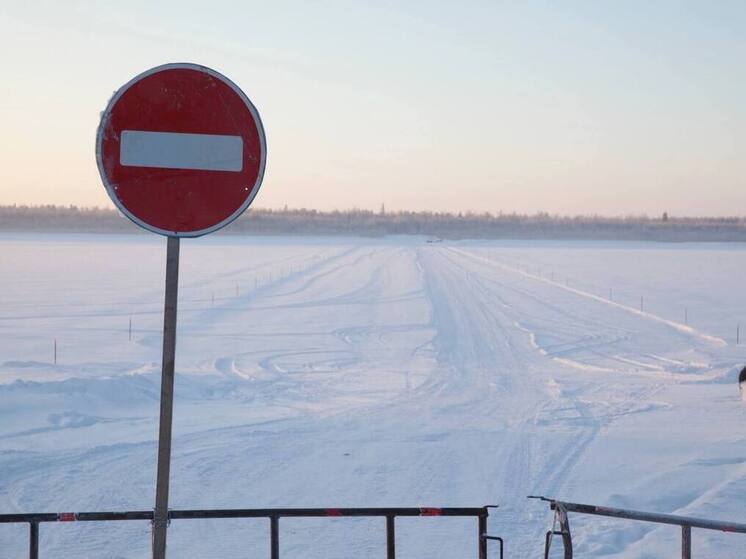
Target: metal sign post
[
  {"x": 160, "y": 517},
  {"x": 181, "y": 152}
]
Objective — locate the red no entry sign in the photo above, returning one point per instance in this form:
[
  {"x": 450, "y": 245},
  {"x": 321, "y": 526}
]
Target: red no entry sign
[{"x": 181, "y": 150}]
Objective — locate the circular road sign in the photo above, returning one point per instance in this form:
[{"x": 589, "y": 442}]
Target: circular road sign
[{"x": 181, "y": 150}]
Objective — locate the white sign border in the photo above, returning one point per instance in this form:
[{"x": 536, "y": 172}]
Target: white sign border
[{"x": 106, "y": 115}]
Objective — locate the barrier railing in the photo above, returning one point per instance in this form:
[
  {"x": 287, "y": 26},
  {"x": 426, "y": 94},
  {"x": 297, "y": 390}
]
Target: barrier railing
[
  {"x": 562, "y": 508},
  {"x": 274, "y": 516}
]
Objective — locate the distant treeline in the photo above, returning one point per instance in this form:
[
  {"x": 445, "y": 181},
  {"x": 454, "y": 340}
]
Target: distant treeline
[{"x": 444, "y": 225}]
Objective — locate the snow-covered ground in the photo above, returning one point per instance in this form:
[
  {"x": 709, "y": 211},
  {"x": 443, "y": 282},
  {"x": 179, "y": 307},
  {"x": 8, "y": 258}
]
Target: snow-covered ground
[{"x": 352, "y": 372}]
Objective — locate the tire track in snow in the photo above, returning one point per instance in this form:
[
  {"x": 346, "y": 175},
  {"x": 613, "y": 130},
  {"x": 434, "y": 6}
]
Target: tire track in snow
[
  {"x": 581, "y": 414},
  {"x": 673, "y": 324},
  {"x": 598, "y": 337},
  {"x": 487, "y": 341}
]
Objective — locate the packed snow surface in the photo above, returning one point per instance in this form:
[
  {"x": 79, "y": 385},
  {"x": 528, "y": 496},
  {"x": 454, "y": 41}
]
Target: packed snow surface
[{"x": 354, "y": 372}]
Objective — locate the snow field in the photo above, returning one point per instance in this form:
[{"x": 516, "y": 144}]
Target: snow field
[{"x": 349, "y": 372}]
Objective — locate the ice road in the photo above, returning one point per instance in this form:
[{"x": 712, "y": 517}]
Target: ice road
[{"x": 394, "y": 372}]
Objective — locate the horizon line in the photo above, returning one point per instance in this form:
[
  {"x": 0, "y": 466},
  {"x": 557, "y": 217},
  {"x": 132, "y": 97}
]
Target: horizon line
[{"x": 385, "y": 211}]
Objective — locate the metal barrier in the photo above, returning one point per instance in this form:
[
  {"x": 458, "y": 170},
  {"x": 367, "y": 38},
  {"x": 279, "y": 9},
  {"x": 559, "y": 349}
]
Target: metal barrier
[
  {"x": 562, "y": 508},
  {"x": 274, "y": 515}
]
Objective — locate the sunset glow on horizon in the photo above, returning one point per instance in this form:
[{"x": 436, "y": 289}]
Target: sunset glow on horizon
[{"x": 572, "y": 108}]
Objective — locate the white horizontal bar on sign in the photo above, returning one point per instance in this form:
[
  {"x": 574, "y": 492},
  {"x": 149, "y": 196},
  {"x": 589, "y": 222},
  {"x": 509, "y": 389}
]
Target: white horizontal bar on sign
[{"x": 171, "y": 150}]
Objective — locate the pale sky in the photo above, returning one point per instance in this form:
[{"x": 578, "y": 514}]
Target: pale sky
[{"x": 609, "y": 107}]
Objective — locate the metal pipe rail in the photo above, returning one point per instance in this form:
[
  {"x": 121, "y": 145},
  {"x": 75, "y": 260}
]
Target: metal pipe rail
[
  {"x": 562, "y": 508},
  {"x": 274, "y": 515}
]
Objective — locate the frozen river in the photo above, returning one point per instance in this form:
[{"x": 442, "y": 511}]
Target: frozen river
[{"x": 362, "y": 372}]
